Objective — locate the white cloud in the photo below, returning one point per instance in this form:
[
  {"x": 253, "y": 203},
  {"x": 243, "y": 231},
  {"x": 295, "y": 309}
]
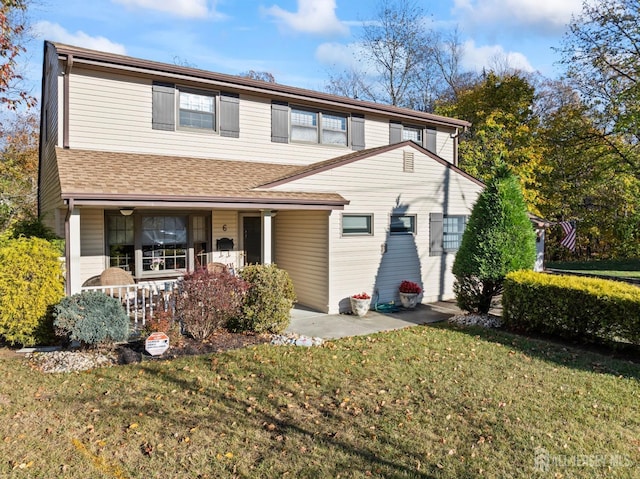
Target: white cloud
[
  {"x": 182, "y": 8},
  {"x": 336, "y": 54},
  {"x": 545, "y": 15},
  {"x": 54, "y": 32},
  {"x": 313, "y": 16},
  {"x": 475, "y": 58}
]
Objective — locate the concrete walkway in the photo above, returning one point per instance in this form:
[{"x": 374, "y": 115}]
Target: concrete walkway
[{"x": 331, "y": 326}]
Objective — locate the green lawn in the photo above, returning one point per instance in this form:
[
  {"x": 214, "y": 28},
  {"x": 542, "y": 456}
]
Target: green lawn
[
  {"x": 426, "y": 402},
  {"x": 629, "y": 268}
]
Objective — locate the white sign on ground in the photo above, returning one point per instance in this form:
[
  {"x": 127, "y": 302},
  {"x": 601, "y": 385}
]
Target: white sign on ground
[{"x": 156, "y": 343}]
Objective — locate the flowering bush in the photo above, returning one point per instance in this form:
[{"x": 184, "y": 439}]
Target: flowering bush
[
  {"x": 410, "y": 287},
  {"x": 361, "y": 296}
]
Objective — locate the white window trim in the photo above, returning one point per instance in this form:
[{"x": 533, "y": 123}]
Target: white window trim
[
  {"x": 318, "y": 114},
  {"x": 357, "y": 234},
  {"x": 216, "y": 109},
  {"x": 414, "y": 224}
]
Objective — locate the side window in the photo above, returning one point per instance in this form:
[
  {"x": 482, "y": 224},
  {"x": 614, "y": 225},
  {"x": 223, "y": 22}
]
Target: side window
[
  {"x": 445, "y": 232},
  {"x": 357, "y": 224},
  {"x": 402, "y": 224},
  {"x": 452, "y": 230}
]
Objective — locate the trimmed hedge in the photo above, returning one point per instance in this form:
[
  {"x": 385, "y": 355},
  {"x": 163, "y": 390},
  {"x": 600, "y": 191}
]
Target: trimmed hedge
[{"x": 572, "y": 306}]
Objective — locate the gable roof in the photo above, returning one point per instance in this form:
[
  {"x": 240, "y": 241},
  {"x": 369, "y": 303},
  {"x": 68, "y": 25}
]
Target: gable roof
[
  {"x": 238, "y": 83},
  {"x": 359, "y": 155},
  {"x": 100, "y": 177}
]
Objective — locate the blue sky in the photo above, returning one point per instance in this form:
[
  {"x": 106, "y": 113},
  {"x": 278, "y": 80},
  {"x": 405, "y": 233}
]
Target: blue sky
[{"x": 298, "y": 41}]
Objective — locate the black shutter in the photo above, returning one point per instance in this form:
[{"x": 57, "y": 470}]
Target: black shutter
[
  {"x": 357, "y": 132},
  {"x": 395, "y": 133},
  {"x": 163, "y": 116},
  {"x": 436, "y": 234},
  {"x": 279, "y": 122},
  {"x": 430, "y": 140},
  {"x": 230, "y": 115}
]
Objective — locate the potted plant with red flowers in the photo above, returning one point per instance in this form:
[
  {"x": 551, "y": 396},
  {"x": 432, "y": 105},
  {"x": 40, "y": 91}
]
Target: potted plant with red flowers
[
  {"x": 360, "y": 303},
  {"x": 409, "y": 292}
]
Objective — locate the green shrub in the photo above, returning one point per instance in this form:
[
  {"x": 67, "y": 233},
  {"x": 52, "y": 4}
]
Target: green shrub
[
  {"x": 269, "y": 300},
  {"x": 92, "y": 318},
  {"x": 30, "y": 284},
  {"x": 498, "y": 239},
  {"x": 208, "y": 301},
  {"x": 572, "y": 306}
]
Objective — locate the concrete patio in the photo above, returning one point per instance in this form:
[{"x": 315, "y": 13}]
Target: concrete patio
[{"x": 331, "y": 326}]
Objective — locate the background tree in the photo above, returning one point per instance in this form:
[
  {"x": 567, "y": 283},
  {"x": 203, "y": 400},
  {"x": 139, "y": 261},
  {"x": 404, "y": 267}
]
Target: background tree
[
  {"x": 503, "y": 125},
  {"x": 18, "y": 169},
  {"x": 259, "y": 75},
  {"x": 601, "y": 52},
  {"x": 12, "y": 31},
  {"x": 498, "y": 239}
]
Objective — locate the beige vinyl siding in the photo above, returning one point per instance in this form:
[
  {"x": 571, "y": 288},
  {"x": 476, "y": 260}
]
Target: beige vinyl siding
[
  {"x": 226, "y": 219},
  {"x": 378, "y": 185},
  {"x": 444, "y": 144},
  {"x": 113, "y": 112},
  {"x": 92, "y": 243},
  {"x": 49, "y": 183},
  {"x": 301, "y": 249}
]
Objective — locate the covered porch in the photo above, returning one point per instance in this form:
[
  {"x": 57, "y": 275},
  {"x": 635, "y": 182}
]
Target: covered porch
[{"x": 222, "y": 216}]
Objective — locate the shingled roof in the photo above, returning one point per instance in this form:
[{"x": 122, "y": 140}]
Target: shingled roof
[{"x": 101, "y": 175}]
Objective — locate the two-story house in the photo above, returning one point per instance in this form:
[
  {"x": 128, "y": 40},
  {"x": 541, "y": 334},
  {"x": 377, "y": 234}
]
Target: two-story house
[{"x": 159, "y": 168}]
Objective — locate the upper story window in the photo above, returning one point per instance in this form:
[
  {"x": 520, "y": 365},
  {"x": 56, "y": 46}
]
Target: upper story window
[
  {"x": 412, "y": 133},
  {"x": 197, "y": 110},
  {"x": 304, "y": 127},
  {"x": 426, "y": 137},
  {"x": 175, "y": 107}
]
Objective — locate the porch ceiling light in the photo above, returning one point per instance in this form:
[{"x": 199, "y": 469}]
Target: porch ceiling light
[{"x": 126, "y": 211}]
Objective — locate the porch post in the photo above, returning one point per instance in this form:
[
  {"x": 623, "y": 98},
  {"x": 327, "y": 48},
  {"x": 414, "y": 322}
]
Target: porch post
[
  {"x": 72, "y": 239},
  {"x": 267, "y": 231}
]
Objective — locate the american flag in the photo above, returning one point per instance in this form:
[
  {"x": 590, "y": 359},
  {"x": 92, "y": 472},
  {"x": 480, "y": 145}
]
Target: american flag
[{"x": 569, "y": 240}]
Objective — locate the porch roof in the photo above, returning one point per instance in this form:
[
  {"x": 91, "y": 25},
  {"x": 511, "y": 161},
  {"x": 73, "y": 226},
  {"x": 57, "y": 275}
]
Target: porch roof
[{"x": 113, "y": 178}]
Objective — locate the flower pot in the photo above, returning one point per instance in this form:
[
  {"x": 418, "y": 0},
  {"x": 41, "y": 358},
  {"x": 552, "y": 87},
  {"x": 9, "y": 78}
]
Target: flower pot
[
  {"x": 360, "y": 306},
  {"x": 409, "y": 300}
]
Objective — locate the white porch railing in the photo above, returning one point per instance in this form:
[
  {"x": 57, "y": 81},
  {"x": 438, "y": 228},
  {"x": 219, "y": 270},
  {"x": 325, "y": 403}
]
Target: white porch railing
[{"x": 142, "y": 299}]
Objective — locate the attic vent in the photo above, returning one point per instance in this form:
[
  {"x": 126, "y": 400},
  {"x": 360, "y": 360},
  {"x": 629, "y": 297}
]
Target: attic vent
[{"x": 408, "y": 161}]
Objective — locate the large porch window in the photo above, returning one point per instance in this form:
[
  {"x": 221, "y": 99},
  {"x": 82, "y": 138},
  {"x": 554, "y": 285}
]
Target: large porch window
[
  {"x": 164, "y": 243},
  {"x": 155, "y": 243}
]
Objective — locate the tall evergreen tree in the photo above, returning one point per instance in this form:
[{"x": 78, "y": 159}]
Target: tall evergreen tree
[{"x": 498, "y": 239}]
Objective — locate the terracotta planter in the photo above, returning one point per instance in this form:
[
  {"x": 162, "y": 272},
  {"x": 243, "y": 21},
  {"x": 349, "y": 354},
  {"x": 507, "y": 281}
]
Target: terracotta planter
[
  {"x": 409, "y": 300},
  {"x": 360, "y": 306}
]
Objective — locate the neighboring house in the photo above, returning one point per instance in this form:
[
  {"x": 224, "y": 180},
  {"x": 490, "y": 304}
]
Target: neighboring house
[{"x": 158, "y": 168}]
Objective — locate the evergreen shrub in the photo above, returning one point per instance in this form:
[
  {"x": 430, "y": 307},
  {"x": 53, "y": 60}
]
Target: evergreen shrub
[
  {"x": 268, "y": 304},
  {"x": 31, "y": 283},
  {"x": 498, "y": 239},
  {"x": 572, "y": 306},
  {"x": 92, "y": 318}
]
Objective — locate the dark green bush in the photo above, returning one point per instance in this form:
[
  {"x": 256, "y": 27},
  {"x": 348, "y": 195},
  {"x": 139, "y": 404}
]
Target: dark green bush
[
  {"x": 92, "y": 318},
  {"x": 572, "y": 306},
  {"x": 269, "y": 300},
  {"x": 208, "y": 301},
  {"x": 498, "y": 239},
  {"x": 30, "y": 284}
]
